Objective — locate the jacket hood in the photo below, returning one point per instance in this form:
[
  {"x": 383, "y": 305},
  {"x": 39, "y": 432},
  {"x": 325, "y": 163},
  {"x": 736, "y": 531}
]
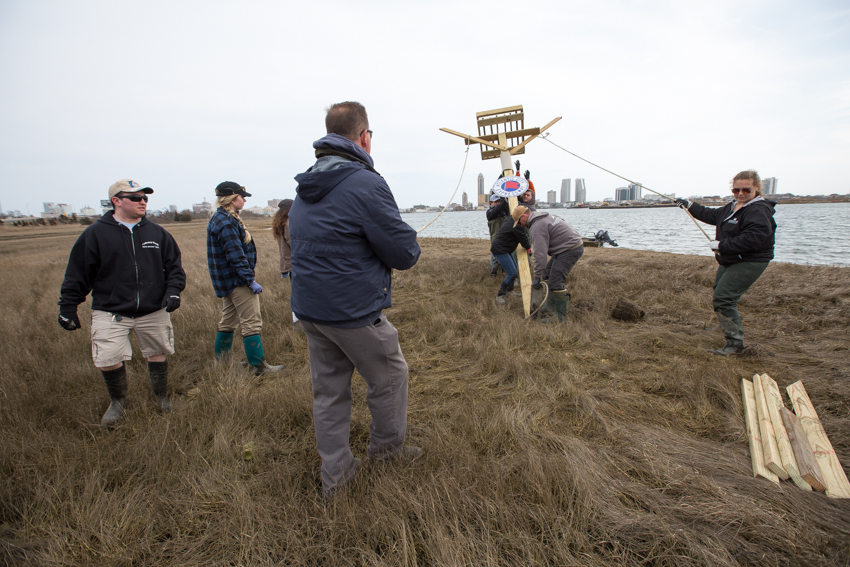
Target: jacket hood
[
  {"x": 329, "y": 171},
  {"x": 109, "y": 218},
  {"x": 536, "y": 215},
  {"x": 343, "y": 144}
]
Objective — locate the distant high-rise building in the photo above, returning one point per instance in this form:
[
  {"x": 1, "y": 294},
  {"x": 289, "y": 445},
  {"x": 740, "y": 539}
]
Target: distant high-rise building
[
  {"x": 274, "y": 202},
  {"x": 482, "y": 193},
  {"x": 581, "y": 191},
  {"x": 621, "y": 194},
  {"x": 52, "y": 208},
  {"x": 552, "y": 196},
  {"x": 635, "y": 191},
  {"x": 565, "y": 191},
  {"x": 88, "y": 212},
  {"x": 768, "y": 185},
  {"x": 172, "y": 208},
  {"x": 464, "y": 200},
  {"x": 207, "y": 206}
]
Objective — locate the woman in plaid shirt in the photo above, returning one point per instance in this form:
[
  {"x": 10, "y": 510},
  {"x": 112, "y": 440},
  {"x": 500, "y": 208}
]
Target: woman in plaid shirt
[{"x": 231, "y": 257}]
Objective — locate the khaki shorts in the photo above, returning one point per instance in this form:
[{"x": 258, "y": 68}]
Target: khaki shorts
[{"x": 110, "y": 339}]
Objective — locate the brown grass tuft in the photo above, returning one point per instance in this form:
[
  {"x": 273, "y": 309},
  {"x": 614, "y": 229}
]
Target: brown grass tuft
[{"x": 595, "y": 442}]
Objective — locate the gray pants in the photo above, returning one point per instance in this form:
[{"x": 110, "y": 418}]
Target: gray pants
[
  {"x": 375, "y": 353},
  {"x": 730, "y": 283}
]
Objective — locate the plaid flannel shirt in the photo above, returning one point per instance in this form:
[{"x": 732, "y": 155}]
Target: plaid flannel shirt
[{"x": 231, "y": 261}]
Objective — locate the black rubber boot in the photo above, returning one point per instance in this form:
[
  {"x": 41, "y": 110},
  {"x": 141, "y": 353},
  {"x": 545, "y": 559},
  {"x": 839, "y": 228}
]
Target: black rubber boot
[
  {"x": 116, "y": 385},
  {"x": 159, "y": 383}
]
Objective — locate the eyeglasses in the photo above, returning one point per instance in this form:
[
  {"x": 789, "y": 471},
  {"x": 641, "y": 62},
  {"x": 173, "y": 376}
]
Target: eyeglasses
[
  {"x": 136, "y": 198},
  {"x": 365, "y": 130},
  {"x": 746, "y": 190}
]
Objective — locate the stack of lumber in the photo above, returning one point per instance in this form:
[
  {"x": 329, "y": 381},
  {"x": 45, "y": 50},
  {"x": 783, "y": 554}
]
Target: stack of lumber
[{"x": 785, "y": 445}]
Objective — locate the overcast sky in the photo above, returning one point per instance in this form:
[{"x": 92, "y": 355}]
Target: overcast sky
[{"x": 183, "y": 95}]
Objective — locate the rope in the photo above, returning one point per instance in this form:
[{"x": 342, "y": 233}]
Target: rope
[
  {"x": 465, "y": 157},
  {"x": 626, "y": 179},
  {"x": 542, "y": 303}
]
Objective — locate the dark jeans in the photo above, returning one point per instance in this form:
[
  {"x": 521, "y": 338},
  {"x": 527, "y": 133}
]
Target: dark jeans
[
  {"x": 559, "y": 267},
  {"x": 730, "y": 283},
  {"x": 509, "y": 265}
]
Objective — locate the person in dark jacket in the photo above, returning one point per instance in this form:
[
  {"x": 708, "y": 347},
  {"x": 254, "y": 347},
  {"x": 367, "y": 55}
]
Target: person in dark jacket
[
  {"x": 132, "y": 269},
  {"x": 496, "y": 215},
  {"x": 280, "y": 231},
  {"x": 231, "y": 258},
  {"x": 347, "y": 235},
  {"x": 509, "y": 237},
  {"x": 743, "y": 247}
]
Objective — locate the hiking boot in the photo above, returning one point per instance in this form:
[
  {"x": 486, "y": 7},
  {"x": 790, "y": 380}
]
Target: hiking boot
[
  {"x": 265, "y": 368},
  {"x": 328, "y": 496},
  {"x": 727, "y": 349},
  {"x": 116, "y": 385},
  {"x": 494, "y": 271},
  {"x": 500, "y": 296}
]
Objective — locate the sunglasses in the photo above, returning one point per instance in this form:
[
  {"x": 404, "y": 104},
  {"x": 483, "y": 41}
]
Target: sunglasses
[
  {"x": 746, "y": 190},
  {"x": 370, "y": 133},
  {"x": 135, "y": 197}
]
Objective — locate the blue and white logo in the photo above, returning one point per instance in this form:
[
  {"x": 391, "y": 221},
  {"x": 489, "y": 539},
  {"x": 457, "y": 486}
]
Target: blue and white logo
[{"x": 512, "y": 186}]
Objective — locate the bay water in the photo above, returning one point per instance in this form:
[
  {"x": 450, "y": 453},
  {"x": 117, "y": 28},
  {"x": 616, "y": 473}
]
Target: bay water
[{"x": 806, "y": 234}]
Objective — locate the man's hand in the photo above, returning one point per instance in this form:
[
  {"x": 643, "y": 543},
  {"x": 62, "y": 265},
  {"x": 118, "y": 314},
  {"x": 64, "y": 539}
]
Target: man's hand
[
  {"x": 69, "y": 320},
  {"x": 255, "y": 287},
  {"x": 684, "y": 203},
  {"x": 171, "y": 303},
  {"x": 715, "y": 246},
  {"x": 536, "y": 284}
]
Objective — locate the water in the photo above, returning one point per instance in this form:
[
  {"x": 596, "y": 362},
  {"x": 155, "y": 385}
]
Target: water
[{"x": 805, "y": 234}]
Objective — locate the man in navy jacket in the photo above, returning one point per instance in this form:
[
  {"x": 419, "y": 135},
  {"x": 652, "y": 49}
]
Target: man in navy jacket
[
  {"x": 132, "y": 269},
  {"x": 347, "y": 235}
]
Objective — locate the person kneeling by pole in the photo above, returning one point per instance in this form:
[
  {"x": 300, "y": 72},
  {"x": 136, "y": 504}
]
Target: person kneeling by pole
[
  {"x": 552, "y": 236},
  {"x": 509, "y": 237}
]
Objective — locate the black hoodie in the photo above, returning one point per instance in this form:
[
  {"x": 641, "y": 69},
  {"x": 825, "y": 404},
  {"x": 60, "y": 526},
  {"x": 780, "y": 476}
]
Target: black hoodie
[
  {"x": 747, "y": 235},
  {"x": 128, "y": 273}
]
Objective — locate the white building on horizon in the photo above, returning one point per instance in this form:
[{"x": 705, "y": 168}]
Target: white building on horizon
[
  {"x": 565, "y": 191},
  {"x": 581, "y": 191},
  {"x": 768, "y": 185}
]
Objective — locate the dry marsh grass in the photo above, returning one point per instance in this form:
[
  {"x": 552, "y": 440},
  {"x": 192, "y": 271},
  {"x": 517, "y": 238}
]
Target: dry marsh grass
[{"x": 595, "y": 442}]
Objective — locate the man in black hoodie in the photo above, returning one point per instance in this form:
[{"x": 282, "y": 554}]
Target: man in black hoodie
[{"x": 133, "y": 270}]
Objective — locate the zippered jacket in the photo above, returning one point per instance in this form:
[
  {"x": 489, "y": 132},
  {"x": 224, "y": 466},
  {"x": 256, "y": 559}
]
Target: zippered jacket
[
  {"x": 347, "y": 235},
  {"x": 230, "y": 259},
  {"x": 509, "y": 237},
  {"x": 747, "y": 235},
  {"x": 127, "y": 273}
]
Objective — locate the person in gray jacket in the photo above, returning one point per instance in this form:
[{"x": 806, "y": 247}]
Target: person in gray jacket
[{"x": 553, "y": 239}]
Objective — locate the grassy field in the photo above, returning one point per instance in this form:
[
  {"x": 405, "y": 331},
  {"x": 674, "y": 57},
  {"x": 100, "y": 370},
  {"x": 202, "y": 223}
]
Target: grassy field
[{"x": 593, "y": 442}]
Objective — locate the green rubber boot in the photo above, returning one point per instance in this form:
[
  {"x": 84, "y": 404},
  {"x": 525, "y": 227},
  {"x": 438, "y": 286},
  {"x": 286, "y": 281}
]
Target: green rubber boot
[
  {"x": 256, "y": 356},
  {"x": 223, "y": 342},
  {"x": 561, "y": 301}
]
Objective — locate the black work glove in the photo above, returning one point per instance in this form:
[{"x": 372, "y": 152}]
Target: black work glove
[
  {"x": 171, "y": 303},
  {"x": 684, "y": 203},
  {"x": 536, "y": 284},
  {"x": 68, "y": 318}
]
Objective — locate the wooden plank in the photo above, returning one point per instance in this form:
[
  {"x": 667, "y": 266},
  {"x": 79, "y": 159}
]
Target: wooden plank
[
  {"x": 490, "y": 154},
  {"x": 837, "y": 485},
  {"x": 520, "y": 148},
  {"x": 499, "y": 120},
  {"x": 753, "y": 433},
  {"x": 522, "y": 264},
  {"x": 517, "y": 108},
  {"x": 473, "y": 139},
  {"x": 768, "y": 438},
  {"x": 786, "y": 453},
  {"x": 510, "y": 134},
  {"x": 806, "y": 462}
]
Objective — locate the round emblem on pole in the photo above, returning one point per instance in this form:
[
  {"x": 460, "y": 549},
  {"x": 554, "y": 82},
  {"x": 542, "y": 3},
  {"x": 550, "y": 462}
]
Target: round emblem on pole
[{"x": 512, "y": 186}]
